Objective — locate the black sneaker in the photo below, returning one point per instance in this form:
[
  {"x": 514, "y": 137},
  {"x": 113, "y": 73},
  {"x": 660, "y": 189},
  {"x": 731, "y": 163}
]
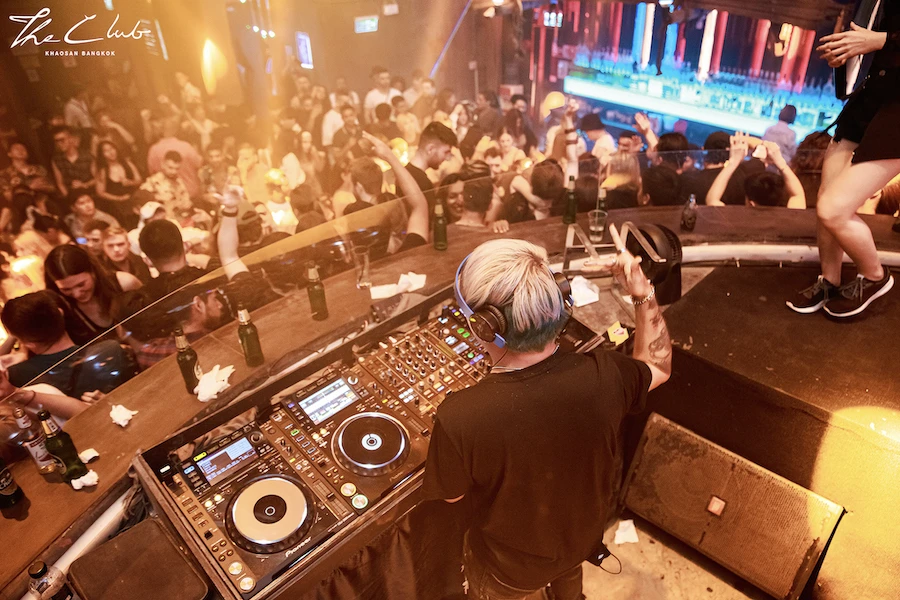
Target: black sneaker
[
  {"x": 857, "y": 295},
  {"x": 814, "y": 297}
]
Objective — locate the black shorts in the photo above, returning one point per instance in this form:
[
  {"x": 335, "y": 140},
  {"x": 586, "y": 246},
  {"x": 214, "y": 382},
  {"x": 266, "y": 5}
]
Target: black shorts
[{"x": 871, "y": 118}]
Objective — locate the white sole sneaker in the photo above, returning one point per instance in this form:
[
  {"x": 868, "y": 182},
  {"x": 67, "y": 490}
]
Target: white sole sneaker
[
  {"x": 884, "y": 290},
  {"x": 805, "y": 310}
]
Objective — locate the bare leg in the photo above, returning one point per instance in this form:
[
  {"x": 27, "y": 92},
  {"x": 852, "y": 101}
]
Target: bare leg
[
  {"x": 837, "y": 208},
  {"x": 831, "y": 255}
]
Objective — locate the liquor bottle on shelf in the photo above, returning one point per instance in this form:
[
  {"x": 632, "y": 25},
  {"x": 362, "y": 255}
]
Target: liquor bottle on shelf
[
  {"x": 440, "y": 228},
  {"x": 62, "y": 449},
  {"x": 689, "y": 214},
  {"x": 249, "y": 337},
  {"x": 33, "y": 439},
  {"x": 10, "y": 492},
  {"x": 316, "y": 292},
  {"x": 187, "y": 361},
  {"x": 571, "y": 203},
  {"x": 48, "y": 583}
]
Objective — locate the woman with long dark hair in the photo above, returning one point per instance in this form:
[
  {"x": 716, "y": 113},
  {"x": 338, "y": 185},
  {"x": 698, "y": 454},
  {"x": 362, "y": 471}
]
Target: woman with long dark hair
[
  {"x": 117, "y": 180},
  {"x": 88, "y": 289}
]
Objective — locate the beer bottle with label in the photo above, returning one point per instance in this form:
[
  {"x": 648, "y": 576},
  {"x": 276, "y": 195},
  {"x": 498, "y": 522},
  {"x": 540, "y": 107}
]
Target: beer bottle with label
[
  {"x": 33, "y": 439},
  {"x": 440, "y": 228},
  {"x": 61, "y": 448},
  {"x": 571, "y": 213},
  {"x": 249, "y": 337},
  {"x": 187, "y": 361},
  {"x": 316, "y": 292},
  {"x": 49, "y": 583},
  {"x": 10, "y": 493}
]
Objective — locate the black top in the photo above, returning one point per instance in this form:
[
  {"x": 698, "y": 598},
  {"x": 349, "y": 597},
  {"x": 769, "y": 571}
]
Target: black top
[
  {"x": 99, "y": 366},
  {"x": 425, "y": 185},
  {"x": 536, "y": 451},
  {"x": 167, "y": 282},
  {"x": 889, "y": 56}
]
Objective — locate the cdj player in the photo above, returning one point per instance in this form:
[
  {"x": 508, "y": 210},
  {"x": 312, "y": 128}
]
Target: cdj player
[{"x": 264, "y": 487}]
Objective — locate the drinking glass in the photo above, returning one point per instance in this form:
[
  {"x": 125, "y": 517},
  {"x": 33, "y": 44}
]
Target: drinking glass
[
  {"x": 361, "y": 264},
  {"x": 597, "y": 225}
]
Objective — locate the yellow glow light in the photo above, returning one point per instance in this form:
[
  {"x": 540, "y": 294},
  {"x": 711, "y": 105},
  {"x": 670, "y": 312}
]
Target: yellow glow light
[{"x": 213, "y": 66}]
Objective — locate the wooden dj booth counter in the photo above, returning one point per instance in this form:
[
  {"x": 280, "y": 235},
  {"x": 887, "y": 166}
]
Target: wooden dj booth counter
[{"x": 58, "y": 516}]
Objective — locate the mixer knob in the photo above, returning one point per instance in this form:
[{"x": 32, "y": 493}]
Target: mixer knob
[
  {"x": 442, "y": 359},
  {"x": 421, "y": 385},
  {"x": 409, "y": 360},
  {"x": 418, "y": 354},
  {"x": 352, "y": 379},
  {"x": 396, "y": 350},
  {"x": 407, "y": 345},
  {"x": 432, "y": 364}
]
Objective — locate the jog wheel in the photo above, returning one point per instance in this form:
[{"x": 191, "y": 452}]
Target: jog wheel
[
  {"x": 370, "y": 444},
  {"x": 268, "y": 515}
]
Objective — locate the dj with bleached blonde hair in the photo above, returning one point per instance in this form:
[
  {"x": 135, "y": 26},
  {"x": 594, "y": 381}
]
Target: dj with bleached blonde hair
[{"x": 534, "y": 446}]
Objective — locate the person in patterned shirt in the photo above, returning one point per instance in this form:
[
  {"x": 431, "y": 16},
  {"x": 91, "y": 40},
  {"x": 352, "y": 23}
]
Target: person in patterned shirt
[
  {"x": 168, "y": 188},
  {"x": 21, "y": 173}
]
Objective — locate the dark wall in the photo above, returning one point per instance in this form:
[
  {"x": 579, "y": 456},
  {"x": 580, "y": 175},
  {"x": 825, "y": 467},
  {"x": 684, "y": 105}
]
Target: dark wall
[{"x": 410, "y": 40}]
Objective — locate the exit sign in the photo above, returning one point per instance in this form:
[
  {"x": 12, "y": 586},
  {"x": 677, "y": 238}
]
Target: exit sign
[{"x": 366, "y": 24}]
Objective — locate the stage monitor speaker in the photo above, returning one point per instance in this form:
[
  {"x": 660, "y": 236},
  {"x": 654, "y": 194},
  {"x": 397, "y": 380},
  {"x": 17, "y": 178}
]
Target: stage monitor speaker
[
  {"x": 142, "y": 562},
  {"x": 758, "y": 525}
]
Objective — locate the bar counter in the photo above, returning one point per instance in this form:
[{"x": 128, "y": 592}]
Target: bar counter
[{"x": 58, "y": 515}]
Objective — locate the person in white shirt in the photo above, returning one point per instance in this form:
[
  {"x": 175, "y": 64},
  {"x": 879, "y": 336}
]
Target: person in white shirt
[
  {"x": 76, "y": 110},
  {"x": 341, "y": 88},
  {"x": 190, "y": 94},
  {"x": 382, "y": 93},
  {"x": 604, "y": 144},
  {"x": 332, "y": 121},
  {"x": 415, "y": 90}
]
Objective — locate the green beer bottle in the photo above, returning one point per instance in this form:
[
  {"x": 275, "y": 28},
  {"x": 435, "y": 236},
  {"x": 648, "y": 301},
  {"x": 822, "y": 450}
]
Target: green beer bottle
[
  {"x": 440, "y": 228},
  {"x": 571, "y": 203},
  {"x": 60, "y": 447},
  {"x": 10, "y": 493},
  {"x": 316, "y": 292},
  {"x": 249, "y": 337},
  {"x": 187, "y": 361}
]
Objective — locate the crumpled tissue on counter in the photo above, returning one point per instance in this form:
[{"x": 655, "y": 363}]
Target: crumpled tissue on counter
[
  {"x": 408, "y": 282},
  {"x": 89, "y": 480},
  {"x": 583, "y": 291},
  {"x": 88, "y": 455},
  {"x": 121, "y": 415},
  {"x": 213, "y": 381}
]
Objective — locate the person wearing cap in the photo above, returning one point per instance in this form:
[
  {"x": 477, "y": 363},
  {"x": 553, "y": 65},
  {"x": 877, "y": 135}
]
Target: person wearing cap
[{"x": 593, "y": 127}]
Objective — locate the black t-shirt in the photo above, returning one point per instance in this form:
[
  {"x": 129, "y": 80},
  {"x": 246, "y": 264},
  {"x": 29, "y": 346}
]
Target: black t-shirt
[
  {"x": 536, "y": 451},
  {"x": 167, "y": 282},
  {"x": 99, "y": 366},
  {"x": 424, "y": 184}
]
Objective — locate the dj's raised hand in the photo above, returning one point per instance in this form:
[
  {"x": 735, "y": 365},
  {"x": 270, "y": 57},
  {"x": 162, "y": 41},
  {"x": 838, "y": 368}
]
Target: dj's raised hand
[{"x": 627, "y": 269}]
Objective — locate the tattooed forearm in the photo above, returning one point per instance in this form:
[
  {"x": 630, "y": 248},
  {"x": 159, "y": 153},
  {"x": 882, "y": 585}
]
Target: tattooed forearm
[
  {"x": 652, "y": 342},
  {"x": 661, "y": 350}
]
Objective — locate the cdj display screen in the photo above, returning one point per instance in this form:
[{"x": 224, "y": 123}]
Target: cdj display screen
[
  {"x": 231, "y": 457},
  {"x": 331, "y": 399}
]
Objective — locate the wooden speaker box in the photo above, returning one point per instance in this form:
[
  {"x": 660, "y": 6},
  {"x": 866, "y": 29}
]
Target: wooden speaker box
[{"x": 758, "y": 525}]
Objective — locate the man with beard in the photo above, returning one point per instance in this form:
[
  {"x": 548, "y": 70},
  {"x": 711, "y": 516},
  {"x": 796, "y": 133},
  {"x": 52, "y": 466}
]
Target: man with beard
[{"x": 435, "y": 145}]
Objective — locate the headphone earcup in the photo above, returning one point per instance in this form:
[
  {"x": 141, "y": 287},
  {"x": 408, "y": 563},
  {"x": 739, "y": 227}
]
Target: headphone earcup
[{"x": 488, "y": 322}]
